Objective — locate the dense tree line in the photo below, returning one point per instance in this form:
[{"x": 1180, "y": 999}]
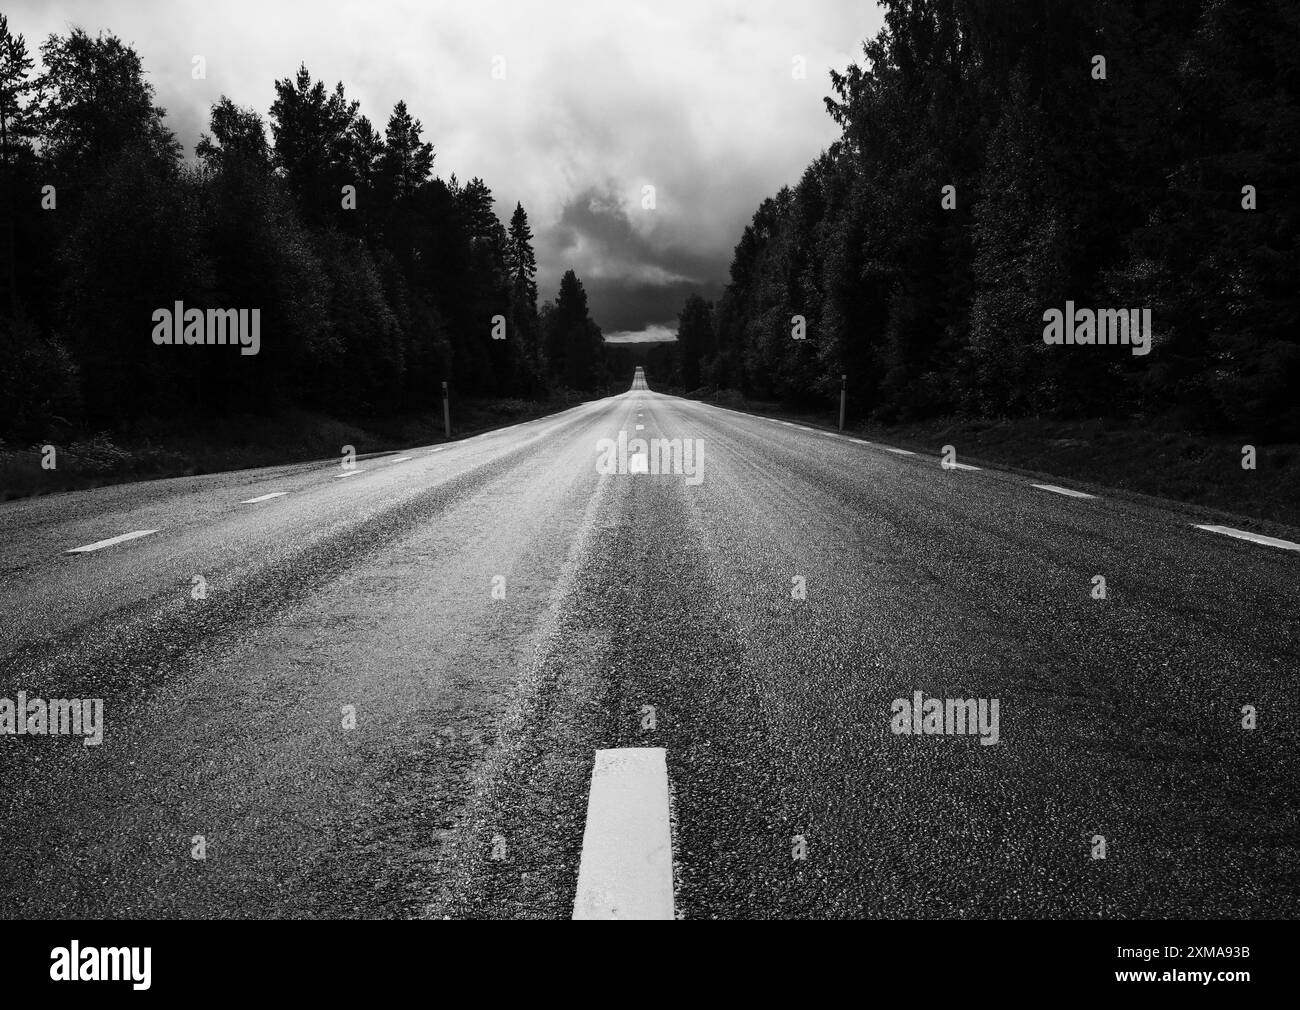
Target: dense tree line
[
  {"x": 1163, "y": 176},
  {"x": 376, "y": 281}
]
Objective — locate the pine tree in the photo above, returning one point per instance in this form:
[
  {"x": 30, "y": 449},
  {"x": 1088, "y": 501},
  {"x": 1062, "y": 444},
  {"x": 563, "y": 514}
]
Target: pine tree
[
  {"x": 522, "y": 266},
  {"x": 520, "y": 258},
  {"x": 476, "y": 199},
  {"x": 365, "y": 152},
  {"x": 407, "y": 161},
  {"x": 311, "y": 128},
  {"x": 574, "y": 341}
]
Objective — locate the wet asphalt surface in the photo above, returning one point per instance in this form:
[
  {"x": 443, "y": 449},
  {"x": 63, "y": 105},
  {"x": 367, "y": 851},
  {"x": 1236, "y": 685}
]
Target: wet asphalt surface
[{"x": 460, "y": 791}]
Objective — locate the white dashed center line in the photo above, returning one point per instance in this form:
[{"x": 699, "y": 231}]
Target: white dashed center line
[
  {"x": 1254, "y": 538},
  {"x": 900, "y": 452},
  {"x": 640, "y": 427},
  {"x": 265, "y": 497},
  {"x": 401, "y": 459},
  {"x": 959, "y": 466},
  {"x": 626, "y": 871},
  {"x": 1063, "y": 490},
  {"x": 346, "y": 473},
  {"x": 101, "y": 544}
]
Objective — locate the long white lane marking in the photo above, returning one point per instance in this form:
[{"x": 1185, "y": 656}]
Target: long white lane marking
[
  {"x": 347, "y": 473},
  {"x": 265, "y": 497},
  {"x": 900, "y": 452},
  {"x": 100, "y": 544},
  {"x": 1254, "y": 538},
  {"x": 439, "y": 449},
  {"x": 1063, "y": 490},
  {"x": 640, "y": 427},
  {"x": 626, "y": 870},
  {"x": 401, "y": 459},
  {"x": 958, "y": 466}
]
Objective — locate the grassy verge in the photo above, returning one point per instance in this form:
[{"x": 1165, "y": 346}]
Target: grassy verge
[
  {"x": 1152, "y": 458},
  {"x": 174, "y": 449}
]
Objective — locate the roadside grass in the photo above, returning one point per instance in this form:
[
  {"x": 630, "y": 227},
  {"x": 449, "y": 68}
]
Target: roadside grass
[
  {"x": 155, "y": 449},
  {"x": 1153, "y": 457}
]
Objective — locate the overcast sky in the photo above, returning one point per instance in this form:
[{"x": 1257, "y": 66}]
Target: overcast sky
[{"x": 599, "y": 99}]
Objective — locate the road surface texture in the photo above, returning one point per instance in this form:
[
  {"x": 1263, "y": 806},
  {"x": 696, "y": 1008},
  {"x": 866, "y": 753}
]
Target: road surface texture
[{"x": 387, "y": 698}]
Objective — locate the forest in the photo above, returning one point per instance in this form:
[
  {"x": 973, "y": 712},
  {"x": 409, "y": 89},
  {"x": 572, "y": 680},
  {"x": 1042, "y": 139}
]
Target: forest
[
  {"x": 1000, "y": 158},
  {"x": 374, "y": 280}
]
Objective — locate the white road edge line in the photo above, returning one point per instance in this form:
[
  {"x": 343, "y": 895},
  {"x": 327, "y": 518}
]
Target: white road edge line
[
  {"x": 626, "y": 871},
  {"x": 347, "y": 473},
  {"x": 401, "y": 459},
  {"x": 958, "y": 466},
  {"x": 1254, "y": 538},
  {"x": 265, "y": 497},
  {"x": 901, "y": 452},
  {"x": 100, "y": 544},
  {"x": 1063, "y": 490}
]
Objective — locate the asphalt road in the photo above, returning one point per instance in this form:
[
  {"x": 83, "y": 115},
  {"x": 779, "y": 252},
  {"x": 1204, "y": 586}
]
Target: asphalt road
[{"x": 645, "y": 610}]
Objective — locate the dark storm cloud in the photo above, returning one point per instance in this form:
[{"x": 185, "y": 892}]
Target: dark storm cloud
[
  {"x": 632, "y": 280},
  {"x": 595, "y": 222},
  {"x": 619, "y": 307}
]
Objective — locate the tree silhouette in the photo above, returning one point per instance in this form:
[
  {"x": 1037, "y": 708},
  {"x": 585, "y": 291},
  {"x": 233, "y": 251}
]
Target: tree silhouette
[
  {"x": 313, "y": 142},
  {"x": 522, "y": 265},
  {"x": 95, "y": 103},
  {"x": 694, "y": 338},
  {"x": 237, "y": 134},
  {"x": 520, "y": 258},
  {"x": 16, "y": 130},
  {"x": 406, "y": 161},
  {"x": 573, "y": 341}
]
